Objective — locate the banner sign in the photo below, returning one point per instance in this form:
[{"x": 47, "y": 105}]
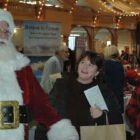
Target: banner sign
[{"x": 41, "y": 37}]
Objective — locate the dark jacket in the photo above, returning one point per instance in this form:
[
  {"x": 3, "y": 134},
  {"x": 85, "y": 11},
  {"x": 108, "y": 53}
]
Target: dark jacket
[
  {"x": 69, "y": 99},
  {"x": 114, "y": 76}
]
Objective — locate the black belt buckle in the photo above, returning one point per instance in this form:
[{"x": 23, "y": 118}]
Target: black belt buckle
[{"x": 9, "y": 120}]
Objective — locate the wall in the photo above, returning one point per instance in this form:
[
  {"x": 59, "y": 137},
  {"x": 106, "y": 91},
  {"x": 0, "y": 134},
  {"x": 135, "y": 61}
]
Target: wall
[
  {"x": 80, "y": 16},
  {"x": 124, "y": 39}
]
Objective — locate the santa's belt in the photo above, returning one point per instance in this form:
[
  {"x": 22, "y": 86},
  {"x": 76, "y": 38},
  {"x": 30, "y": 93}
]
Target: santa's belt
[{"x": 12, "y": 114}]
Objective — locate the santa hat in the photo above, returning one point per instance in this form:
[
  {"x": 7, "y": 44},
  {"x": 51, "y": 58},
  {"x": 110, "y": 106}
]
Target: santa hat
[{"x": 6, "y": 16}]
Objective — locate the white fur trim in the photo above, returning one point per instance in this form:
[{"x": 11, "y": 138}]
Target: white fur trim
[
  {"x": 6, "y": 16},
  {"x": 21, "y": 61},
  {"x": 10, "y": 90},
  {"x": 12, "y": 134},
  {"x": 63, "y": 130}
]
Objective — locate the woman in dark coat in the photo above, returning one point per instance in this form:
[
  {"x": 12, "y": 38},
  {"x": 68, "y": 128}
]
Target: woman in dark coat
[
  {"x": 69, "y": 99},
  {"x": 114, "y": 73}
]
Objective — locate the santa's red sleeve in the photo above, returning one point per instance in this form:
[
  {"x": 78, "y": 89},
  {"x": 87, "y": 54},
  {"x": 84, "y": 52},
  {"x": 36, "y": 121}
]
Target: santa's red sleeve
[{"x": 35, "y": 97}]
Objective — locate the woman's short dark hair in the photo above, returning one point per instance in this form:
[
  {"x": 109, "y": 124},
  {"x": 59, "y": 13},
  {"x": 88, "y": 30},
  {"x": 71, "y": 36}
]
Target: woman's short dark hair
[{"x": 95, "y": 58}]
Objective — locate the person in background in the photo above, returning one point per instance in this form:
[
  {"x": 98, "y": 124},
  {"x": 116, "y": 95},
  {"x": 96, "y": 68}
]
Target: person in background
[
  {"x": 122, "y": 54},
  {"x": 133, "y": 107},
  {"x": 54, "y": 65},
  {"x": 133, "y": 59},
  {"x": 138, "y": 66},
  {"x": 125, "y": 54},
  {"x": 132, "y": 78},
  {"x": 114, "y": 73},
  {"x": 21, "y": 96},
  {"x": 69, "y": 65},
  {"x": 68, "y": 97}
]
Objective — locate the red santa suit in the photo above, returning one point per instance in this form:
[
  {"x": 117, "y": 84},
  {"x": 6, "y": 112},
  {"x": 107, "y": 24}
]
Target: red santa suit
[
  {"x": 23, "y": 87},
  {"x": 19, "y": 83}
]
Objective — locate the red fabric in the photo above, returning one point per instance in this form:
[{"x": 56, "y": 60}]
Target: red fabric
[
  {"x": 133, "y": 112},
  {"x": 35, "y": 97},
  {"x": 125, "y": 62},
  {"x": 131, "y": 73}
]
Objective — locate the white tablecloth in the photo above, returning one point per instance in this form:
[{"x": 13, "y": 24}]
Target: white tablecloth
[{"x": 128, "y": 126}]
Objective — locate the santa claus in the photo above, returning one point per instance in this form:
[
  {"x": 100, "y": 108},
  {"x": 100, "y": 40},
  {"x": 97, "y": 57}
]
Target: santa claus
[{"x": 20, "y": 92}]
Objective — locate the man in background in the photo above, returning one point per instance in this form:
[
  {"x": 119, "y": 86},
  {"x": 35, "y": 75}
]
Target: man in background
[{"x": 54, "y": 67}]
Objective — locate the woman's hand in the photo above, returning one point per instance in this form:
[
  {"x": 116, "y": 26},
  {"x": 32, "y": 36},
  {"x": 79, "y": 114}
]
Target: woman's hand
[{"x": 95, "y": 112}]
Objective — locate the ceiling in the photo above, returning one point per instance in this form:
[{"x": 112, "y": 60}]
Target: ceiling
[
  {"x": 105, "y": 7},
  {"x": 113, "y": 7},
  {"x": 116, "y": 10},
  {"x": 124, "y": 13}
]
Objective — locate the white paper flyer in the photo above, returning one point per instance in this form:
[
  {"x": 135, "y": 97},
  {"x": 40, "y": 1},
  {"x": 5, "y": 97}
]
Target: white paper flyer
[{"x": 94, "y": 97}]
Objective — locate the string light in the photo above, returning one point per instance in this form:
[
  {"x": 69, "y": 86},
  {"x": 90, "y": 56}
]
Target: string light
[
  {"x": 95, "y": 20},
  {"x": 73, "y": 5},
  {"x": 115, "y": 10},
  {"x": 33, "y": 2},
  {"x": 41, "y": 3},
  {"x": 96, "y": 17},
  {"x": 6, "y": 4},
  {"x": 118, "y": 22}
]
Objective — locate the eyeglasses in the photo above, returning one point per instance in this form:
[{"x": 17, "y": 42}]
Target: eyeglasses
[{"x": 2, "y": 31}]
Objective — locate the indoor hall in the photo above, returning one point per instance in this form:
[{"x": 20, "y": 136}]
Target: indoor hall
[{"x": 82, "y": 25}]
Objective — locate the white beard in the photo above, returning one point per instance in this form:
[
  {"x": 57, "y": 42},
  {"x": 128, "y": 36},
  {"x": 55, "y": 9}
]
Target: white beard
[
  {"x": 7, "y": 50},
  {"x": 10, "y": 61}
]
